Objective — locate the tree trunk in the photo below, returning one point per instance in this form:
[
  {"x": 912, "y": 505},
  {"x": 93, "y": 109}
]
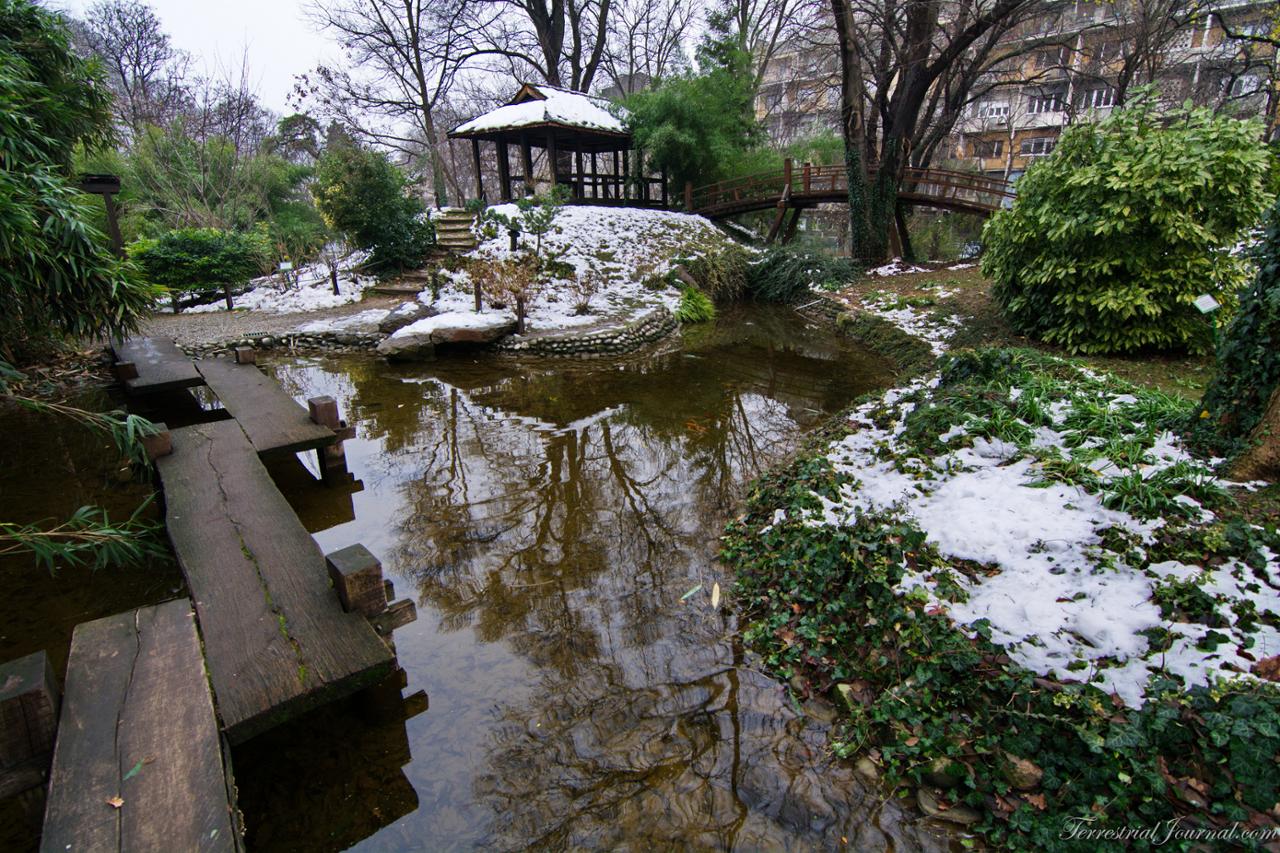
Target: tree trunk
[
  {"x": 226, "y": 293},
  {"x": 852, "y": 128},
  {"x": 1261, "y": 461},
  {"x": 904, "y": 234}
]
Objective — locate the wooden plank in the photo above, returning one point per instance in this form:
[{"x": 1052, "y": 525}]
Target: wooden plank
[
  {"x": 273, "y": 421},
  {"x": 28, "y": 721},
  {"x": 276, "y": 638},
  {"x": 160, "y": 365},
  {"x": 138, "y": 762}
]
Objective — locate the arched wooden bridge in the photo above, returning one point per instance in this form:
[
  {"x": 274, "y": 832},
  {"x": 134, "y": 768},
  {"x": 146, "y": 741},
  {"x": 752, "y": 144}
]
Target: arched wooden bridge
[{"x": 796, "y": 188}]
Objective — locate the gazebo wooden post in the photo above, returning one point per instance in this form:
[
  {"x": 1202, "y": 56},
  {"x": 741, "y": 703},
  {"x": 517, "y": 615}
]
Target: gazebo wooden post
[
  {"x": 526, "y": 160},
  {"x": 626, "y": 173},
  {"x": 617, "y": 176},
  {"x": 582, "y": 178},
  {"x": 664, "y": 187},
  {"x": 504, "y": 171},
  {"x": 475, "y": 155},
  {"x": 553, "y": 164}
]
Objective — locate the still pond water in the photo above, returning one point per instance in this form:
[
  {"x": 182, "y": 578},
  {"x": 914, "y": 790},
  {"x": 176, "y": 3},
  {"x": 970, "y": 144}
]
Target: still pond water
[{"x": 548, "y": 517}]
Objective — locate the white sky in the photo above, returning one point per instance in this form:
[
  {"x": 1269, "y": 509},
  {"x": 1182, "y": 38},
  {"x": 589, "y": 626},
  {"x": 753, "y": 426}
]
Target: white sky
[{"x": 279, "y": 42}]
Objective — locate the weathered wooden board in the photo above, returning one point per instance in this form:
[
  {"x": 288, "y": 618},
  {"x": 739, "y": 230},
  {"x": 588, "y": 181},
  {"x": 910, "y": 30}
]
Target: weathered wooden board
[
  {"x": 161, "y": 365},
  {"x": 138, "y": 761},
  {"x": 276, "y": 638},
  {"x": 273, "y": 421}
]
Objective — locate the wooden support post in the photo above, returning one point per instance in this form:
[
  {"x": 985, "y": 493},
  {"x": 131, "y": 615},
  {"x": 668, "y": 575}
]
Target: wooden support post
[
  {"x": 159, "y": 443},
  {"x": 475, "y": 157},
  {"x": 332, "y": 459},
  {"x": 113, "y": 225},
  {"x": 125, "y": 370},
  {"x": 688, "y": 196},
  {"x": 553, "y": 164},
  {"x": 777, "y": 222},
  {"x": 807, "y": 176},
  {"x": 29, "y": 701},
  {"x": 595, "y": 177},
  {"x": 526, "y": 161},
  {"x": 663, "y": 175},
  {"x": 357, "y": 577},
  {"x": 397, "y": 615},
  {"x": 786, "y": 175},
  {"x": 504, "y": 172},
  {"x": 790, "y": 233},
  {"x": 617, "y": 175},
  {"x": 582, "y": 178},
  {"x": 246, "y": 355},
  {"x": 627, "y": 192}
]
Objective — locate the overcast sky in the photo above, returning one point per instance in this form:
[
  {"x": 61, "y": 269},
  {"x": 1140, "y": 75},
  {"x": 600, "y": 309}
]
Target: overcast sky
[{"x": 217, "y": 33}]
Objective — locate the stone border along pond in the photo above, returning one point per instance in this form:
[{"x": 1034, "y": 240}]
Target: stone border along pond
[{"x": 609, "y": 337}]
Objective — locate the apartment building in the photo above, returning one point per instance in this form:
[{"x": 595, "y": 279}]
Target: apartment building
[
  {"x": 1068, "y": 64},
  {"x": 1071, "y": 64},
  {"x": 800, "y": 93}
]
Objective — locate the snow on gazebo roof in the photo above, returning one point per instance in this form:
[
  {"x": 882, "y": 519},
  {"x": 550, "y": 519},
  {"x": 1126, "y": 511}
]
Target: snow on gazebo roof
[{"x": 542, "y": 106}]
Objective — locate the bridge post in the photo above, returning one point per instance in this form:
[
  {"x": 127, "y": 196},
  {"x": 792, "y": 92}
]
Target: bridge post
[
  {"x": 808, "y": 176},
  {"x": 786, "y": 175},
  {"x": 688, "y": 196}
]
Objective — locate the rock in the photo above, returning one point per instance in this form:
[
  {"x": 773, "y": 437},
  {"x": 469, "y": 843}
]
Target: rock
[
  {"x": 1021, "y": 773},
  {"x": 419, "y": 339},
  {"x": 944, "y": 773},
  {"x": 866, "y": 768},
  {"x": 403, "y": 315},
  {"x": 957, "y": 814}
]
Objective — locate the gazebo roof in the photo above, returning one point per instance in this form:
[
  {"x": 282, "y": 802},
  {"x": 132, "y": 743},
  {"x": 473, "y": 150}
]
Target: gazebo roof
[{"x": 541, "y": 106}]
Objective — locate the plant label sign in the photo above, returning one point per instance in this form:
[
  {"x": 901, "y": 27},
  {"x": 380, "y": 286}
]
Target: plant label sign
[
  {"x": 285, "y": 266},
  {"x": 1206, "y": 303}
]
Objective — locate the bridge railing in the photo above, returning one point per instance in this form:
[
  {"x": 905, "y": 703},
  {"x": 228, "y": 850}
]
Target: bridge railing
[{"x": 944, "y": 187}]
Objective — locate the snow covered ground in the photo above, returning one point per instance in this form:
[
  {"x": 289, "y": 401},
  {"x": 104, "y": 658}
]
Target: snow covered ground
[
  {"x": 310, "y": 290},
  {"x": 934, "y": 330},
  {"x": 1060, "y": 600},
  {"x": 896, "y": 267}
]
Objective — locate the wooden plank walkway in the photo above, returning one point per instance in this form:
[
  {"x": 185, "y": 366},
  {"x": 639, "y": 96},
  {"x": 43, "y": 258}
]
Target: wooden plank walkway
[
  {"x": 147, "y": 365},
  {"x": 138, "y": 764},
  {"x": 276, "y": 637},
  {"x": 273, "y": 421}
]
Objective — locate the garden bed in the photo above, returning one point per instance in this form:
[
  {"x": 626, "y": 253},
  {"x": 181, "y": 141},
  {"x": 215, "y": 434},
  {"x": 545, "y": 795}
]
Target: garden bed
[{"x": 1039, "y": 615}]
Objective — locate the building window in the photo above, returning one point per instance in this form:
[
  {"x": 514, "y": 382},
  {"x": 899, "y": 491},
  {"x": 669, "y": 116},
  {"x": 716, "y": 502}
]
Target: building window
[
  {"x": 1053, "y": 57},
  {"x": 1181, "y": 39},
  {"x": 1037, "y": 146},
  {"x": 1045, "y": 102},
  {"x": 984, "y": 148},
  {"x": 1095, "y": 99},
  {"x": 993, "y": 109}
]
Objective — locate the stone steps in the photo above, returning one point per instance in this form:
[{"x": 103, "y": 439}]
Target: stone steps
[{"x": 453, "y": 230}]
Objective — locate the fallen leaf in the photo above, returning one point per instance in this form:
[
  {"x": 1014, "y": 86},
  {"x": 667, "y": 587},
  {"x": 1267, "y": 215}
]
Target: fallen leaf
[
  {"x": 115, "y": 802},
  {"x": 912, "y": 741},
  {"x": 691, "y": 593},
  {"x": 715, "y": 596},
  {"x": 133, "y": 771},
  {"x": 1037, "y": 800}
]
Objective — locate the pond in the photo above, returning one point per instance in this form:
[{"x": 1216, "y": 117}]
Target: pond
[{"x": 556, "y": 522}]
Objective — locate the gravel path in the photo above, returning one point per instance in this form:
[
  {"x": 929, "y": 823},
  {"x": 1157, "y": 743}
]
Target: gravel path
[{"x": 218, "y": 326}]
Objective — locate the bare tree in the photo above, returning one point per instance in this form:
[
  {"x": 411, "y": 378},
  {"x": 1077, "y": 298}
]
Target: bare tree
[
  {"x": 402, "y": 59},
  {"x": 562, "y": 42},
  {"x": 146, "y": 73},
  {"x": 898, "y": 58},
  {"x": 646, "y": 41}
]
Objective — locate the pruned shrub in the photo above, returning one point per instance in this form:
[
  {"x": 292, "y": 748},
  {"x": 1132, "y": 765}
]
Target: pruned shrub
[
  {"x": 782, "y": 275},
  {"x": 1112, "y": 237},
  {"x": 720, "y": 273},
  {"x": 203, "y": 259}
]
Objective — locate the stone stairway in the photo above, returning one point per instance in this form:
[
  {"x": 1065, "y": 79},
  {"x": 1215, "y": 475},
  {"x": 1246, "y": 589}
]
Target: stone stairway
[{"x": 453, "y": 230}]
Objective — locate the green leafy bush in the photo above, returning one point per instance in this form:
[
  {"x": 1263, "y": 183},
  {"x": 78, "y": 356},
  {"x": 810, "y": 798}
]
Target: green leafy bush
[
  {"x": 721, "y": 271},
  {"x": 1248, "y": 369},
  {"x": 203, "y": 259},
  {"x": 693, "y": 124},
  {"x": 782, "y": 275},
  {"x": 1111, "y": 238},
  {"x": 694, "y": 307},
  {"x": 57, "y": 276},
  {"x": 360, "y": 193}
]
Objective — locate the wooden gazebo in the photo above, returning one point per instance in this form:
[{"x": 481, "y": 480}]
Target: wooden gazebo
[{"x": 585, "y": 145}]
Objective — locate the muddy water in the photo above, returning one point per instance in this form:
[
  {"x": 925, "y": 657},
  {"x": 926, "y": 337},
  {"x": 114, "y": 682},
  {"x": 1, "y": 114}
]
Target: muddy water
[{"x": 548, "y": 517}]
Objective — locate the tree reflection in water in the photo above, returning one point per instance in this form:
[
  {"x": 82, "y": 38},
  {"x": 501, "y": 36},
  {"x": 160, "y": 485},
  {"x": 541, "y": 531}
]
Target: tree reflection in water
[{"x": 551, "y": 515}]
